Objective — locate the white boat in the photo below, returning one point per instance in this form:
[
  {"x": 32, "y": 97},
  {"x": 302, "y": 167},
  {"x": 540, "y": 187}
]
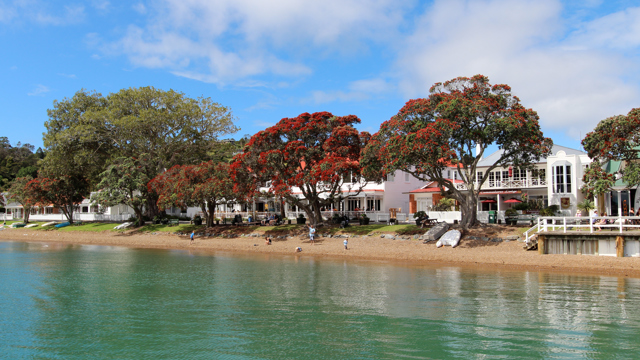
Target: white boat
[
  {"x": 123, "y": 226},
  {"x": 31, "y": 226},
  {"x": 48, "y": 224}
]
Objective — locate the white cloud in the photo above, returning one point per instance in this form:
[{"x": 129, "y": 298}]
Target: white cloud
[
  {"x": 139, "y": 8},
  {"x": 39, "y": 90},
  {"x": 40, "y": 12},
  {"x": 569, "y": 80},
  {"x": 224, "y": 41},
  {"x": 358, "y": 90}
]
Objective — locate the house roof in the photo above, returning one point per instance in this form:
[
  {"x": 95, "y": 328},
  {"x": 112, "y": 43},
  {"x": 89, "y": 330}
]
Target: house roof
[
  {"x": 491, "y": 159},
  {"x": 431, "y": 187}
]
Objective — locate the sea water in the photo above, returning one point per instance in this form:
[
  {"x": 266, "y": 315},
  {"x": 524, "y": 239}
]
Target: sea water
[{"x": 85, "y": 302}]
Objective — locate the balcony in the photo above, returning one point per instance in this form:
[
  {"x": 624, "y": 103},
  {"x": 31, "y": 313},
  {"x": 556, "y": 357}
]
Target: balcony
[{"x": 509, "y": 184}]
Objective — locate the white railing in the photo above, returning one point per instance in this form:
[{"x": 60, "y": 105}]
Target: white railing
[
  {"x": 576, "y": 223},
  {"x": 508, "y": 184}
]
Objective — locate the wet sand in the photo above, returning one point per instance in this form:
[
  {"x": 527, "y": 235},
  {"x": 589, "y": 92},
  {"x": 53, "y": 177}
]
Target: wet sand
[{"x": 470, "y": 253}]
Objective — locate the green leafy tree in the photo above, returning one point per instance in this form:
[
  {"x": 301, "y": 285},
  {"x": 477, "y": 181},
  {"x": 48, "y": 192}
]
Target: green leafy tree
[
  {"x": 430, "y": 135},
  {"x": 19, "y": 192},
  {"x": 89, "y": 132},
  {"x": 124, "y": 182},
  {"x": 16, "y": 161},
  {"x": 314, "y": 154},
  {"x": 615, "y": 138}
]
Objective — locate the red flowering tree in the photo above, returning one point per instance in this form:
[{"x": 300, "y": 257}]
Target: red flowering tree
[
  {"x": 19, "y": 192},
  {"x": 429, "y": 135},
  {"x": 205, "y": 185},
  {"x": 614, "y": 138},
  {"x": 64, "y": 192},
  {"x": 309, "y": 160}
]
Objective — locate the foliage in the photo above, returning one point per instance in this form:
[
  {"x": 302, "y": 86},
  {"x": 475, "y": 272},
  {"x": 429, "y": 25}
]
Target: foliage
[
  {"x": 521, "y": 206},
  {"x": 586, "y": 205},
  {"x": 445, "y": 204},
  {"x": 551, "y": 210},
  {"x": 16, "y": 162},
  {"x": 89, "y": 132},
  {"x": 63, "y": 192},
  {"x": 511, "y": 212},
  {"x": 205, "y": 185},
  {"x": 124, "y": 183},
  {"x": 430, "y": 135},
  {"x": 614, "y": 138},
  {"x": 419, "y": 214},
  {"x": 19, "y": 193},
  {"x": 313, "y": 154}
]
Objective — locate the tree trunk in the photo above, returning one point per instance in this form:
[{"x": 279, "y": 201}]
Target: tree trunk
[
  {"x": 210, "y": 213},
  {"x": 317, "y": 214},
  {"x": 68, "y": 213},
  {"x": 25, "y": 215},
  {"x": 152, "y": 206},
  {"x": 139, "y": 215},
  {"x": 469, "y": 212}
]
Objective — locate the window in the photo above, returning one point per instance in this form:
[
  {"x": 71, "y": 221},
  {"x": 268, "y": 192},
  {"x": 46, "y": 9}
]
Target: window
[
  {"x": 561, "y": 179},
  {"x": 505, "y": 175},
  {"x": 519, "y": 174},
  {"x": 479, "y": 175},
  {"x": 406, "y": 177},
  {"x": 492, "y": 178},
  {"x": 390, "y": 177}
]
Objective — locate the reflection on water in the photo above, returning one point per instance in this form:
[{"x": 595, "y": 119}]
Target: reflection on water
[{"x": 76, "y": 302}]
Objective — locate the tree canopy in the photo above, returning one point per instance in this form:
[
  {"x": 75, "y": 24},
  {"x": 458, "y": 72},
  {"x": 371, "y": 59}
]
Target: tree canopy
[
  {"x": 63, "y": 192},
  {"x": 616, "y": 138},
  {"x": 308, "y": 160},
  {"x": 89, "y": 132},
  {"x": 204, "y": 185},
  {"x": 17, "y": 161},
  {"x": 429, "y": 135}
]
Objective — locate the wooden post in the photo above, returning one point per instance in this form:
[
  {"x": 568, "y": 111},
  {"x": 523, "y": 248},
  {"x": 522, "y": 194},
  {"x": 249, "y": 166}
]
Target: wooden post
[
  {"x": 541, "y": 245},
  {"x": 619, "y": 246}
]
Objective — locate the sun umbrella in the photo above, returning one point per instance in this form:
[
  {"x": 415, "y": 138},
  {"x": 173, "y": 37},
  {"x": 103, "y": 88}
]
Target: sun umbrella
[{"x": 512, "y": 201}]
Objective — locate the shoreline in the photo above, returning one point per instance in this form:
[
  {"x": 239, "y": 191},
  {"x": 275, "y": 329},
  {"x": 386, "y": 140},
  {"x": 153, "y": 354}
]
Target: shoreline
[{"x": 472, "y": 254}]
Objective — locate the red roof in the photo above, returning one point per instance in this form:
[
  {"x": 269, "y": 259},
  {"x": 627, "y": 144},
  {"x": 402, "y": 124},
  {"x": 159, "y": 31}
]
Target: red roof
[{"x": 432, "y": 187}]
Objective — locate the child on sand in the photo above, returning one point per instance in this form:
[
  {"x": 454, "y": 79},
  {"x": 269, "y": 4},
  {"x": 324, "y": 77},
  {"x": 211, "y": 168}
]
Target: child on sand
[
  {"x": 345, "y": 244},
  {"x": 267, "y": 240},
  {"x": 193, "y": 233},
  {"x": 312, "y": 233}
]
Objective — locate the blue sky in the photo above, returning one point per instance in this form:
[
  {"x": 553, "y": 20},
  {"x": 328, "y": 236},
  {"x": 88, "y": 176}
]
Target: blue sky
[{"x": 574, "y": 62}]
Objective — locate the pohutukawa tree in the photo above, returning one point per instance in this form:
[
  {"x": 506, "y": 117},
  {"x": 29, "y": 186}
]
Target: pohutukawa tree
[
  {"x": 311, "y": 161},
  {"x": 19, "y": 193},
  {"x": 205, "y": 185},
  {"x": 63, "y": 192},
  {"x": 429, "y": 135},
  {"x": 614, "y": 138}
]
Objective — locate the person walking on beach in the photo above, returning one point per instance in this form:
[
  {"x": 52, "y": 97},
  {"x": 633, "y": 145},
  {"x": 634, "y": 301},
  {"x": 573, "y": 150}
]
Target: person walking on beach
[
  {"x": 312, "y": 233},
  {"x": 193, "y": 233},
  {"x": 345, "y": 244}
]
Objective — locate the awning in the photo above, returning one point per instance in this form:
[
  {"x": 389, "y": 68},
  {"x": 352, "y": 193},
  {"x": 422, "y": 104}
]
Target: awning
[
  {"x": 488, "y": 201},
  {"x": 512, "y": 201}
]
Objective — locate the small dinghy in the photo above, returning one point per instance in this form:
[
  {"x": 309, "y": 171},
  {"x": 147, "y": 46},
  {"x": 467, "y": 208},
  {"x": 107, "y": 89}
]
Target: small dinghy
[
  {"x": 451, "y": 237},
  {"x": 48, "y": 224},
  {"x": 30, "y": 226},
  {"x": 123, "y": 226},
  {"x": 63, "y": 225}
]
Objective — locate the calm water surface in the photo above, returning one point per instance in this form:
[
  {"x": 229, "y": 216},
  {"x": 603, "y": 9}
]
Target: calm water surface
[{"x": 80, "y": 302}]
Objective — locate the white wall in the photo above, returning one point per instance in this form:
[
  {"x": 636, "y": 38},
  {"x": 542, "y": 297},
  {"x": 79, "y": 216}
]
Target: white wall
[{"x": 393, "y": 191}]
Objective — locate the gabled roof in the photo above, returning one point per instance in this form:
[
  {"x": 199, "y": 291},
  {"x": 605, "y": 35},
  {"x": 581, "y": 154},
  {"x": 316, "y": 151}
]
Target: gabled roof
[
  {"x": 491, "y": 159},
  {"x": 431, "y": 187}
]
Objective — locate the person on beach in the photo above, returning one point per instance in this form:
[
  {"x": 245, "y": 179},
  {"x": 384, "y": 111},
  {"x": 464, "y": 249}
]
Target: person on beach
[
  {"x": 312, "y": 233},
  {"x": 345, "y": 242},
  {"x": 267, "y": 240},
  {"x": 298, "y": 249},
  {"x": 193, "y": 233}
]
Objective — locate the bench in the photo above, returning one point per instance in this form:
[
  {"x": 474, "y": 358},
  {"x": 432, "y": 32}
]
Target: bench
[
  {"x": 428, "y": 222},
  {"x": 530, "y": 218},
  {"x": 173, "y": 222}
]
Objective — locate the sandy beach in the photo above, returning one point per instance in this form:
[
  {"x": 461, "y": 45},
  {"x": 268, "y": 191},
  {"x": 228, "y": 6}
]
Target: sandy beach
[{"x": 507, "y": 255}]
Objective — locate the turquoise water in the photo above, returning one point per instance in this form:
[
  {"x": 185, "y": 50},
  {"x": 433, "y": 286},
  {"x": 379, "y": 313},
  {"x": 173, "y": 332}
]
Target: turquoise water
[{"x": 79, "y": 302}]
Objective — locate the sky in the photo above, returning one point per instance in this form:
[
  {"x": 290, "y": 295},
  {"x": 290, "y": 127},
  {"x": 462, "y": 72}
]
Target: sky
[{"x": 574, "y": 62}]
